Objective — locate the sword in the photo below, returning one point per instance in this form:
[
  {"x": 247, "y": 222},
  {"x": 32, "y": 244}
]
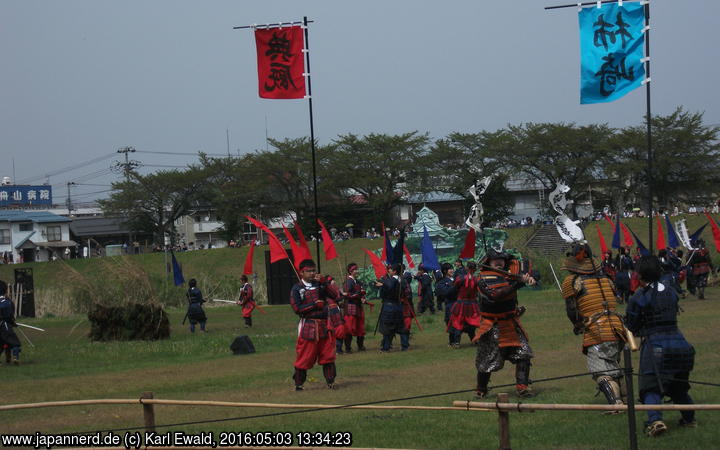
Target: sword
[
  {"x": 28, "y": 326},
  {"x": 555, "y": 276},
  {"x": 25, "y": 336},
  {"x": 224, "y": 301}
]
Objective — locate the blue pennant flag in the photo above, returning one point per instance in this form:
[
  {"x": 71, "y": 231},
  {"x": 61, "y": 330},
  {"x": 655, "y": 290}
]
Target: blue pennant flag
[
  {"x": 429, "y": 257},
  {"x": 611, "y": 51},
  {"x": 177, "y": 271},
  {"x": 616, "y": 235},
  {"x": 673, "y": 241},
  {"x": 643, "y": 250},
  {"x": 696, "y": 235}
]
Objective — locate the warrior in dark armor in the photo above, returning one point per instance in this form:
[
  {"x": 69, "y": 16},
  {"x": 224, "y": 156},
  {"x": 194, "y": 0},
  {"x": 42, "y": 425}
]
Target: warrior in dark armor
[
  {"x": 499, "y": 335},
  {"x": 666, "y": 358},
  {"x": 624, "y": 266},
  {"x": 425, "y": 293},
  {"x": 314, "y": 299},
  {"x": 8, "y": 338},
  {"x": 195, "y": 312},
  {"x": 393, "y": 290},
  {"x": 591, "y": 303},
  {"x": 701, "y": 266},
  {"x": 246, "y": 301},
  {"x": 354, "y": 296},
  {"x": 670, "y": 274},
  {"x": 447, "y": 293}
]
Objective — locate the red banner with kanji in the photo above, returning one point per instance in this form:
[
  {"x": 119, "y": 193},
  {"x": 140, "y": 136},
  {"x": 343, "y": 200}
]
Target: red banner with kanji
[{"x": 281, "y": 62}]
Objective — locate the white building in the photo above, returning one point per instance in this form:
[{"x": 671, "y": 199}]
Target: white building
[{"x": 34, "y": 235}]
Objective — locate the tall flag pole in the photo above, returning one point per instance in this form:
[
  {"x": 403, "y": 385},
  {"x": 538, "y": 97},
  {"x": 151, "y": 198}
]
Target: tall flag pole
[
  {"x": 306, "y": 50},
  {"x": 284, "y": 73},
  {"x": 613, "y": 36}
]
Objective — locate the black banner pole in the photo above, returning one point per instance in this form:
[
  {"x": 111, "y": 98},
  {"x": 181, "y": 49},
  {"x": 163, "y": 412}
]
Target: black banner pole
[
  {"x": 649, "y": 127},
  {"x": 312, "y": 142}
]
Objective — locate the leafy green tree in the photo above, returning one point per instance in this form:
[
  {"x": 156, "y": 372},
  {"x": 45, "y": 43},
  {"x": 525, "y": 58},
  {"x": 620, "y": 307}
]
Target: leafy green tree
[
  {"x": 552, "y": 152},
  {"x": 154, "y": 201},
  {"x": 685, "y": 151},
  {"x": 380, "y": 168},
  {"x": 457, "y": 161}
]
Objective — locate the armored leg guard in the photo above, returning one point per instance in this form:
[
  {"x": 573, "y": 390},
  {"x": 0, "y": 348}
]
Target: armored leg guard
[
  {"x": 361, "y": 343},
  {"x": 329, "y": 372},
  {"x": 483, "y": 378},
  {"x": 522, "y": 379},
  {"x": 611, "y": 389},
  {"x": 299, "y": 376},
  {"x": 348, "y": 344}
]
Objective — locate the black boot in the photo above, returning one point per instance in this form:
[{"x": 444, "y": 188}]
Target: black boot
[
  {"x": 348, "y": 344},
  {"x": 483, "y": 378},
  {"x": 330, "y": 374},
  {"x": 361, "y": 343},
  {"x": 522, "y": 379},
  {"x": 299, "y": 376}
]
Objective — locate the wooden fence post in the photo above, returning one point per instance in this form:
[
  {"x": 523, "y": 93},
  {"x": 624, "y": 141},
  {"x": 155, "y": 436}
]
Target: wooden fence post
[
  {"x": 503, "y": 423},
  {"x": 148, "y": 412},
  {"x": 632, "y": 432}
]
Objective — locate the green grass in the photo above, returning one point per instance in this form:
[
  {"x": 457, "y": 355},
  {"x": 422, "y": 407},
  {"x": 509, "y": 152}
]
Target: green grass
[{"x": 66, "y": 366}]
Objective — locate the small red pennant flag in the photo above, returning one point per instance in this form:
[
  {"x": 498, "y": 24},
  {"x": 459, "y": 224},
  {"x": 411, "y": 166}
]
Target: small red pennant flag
[
  {"x": 328, "y": 246},
  {"x": 601, "y": 238},
  {"x": 408, "y": 258},
  {"x": 715, "y": 231},
  {"x": 277, "y": 251},
  {"x": 468, "y": 250},
  {"x": 660, "y": 235},
  {"x": 248, "y": 269},
  {"x": 378, "y": 265}
]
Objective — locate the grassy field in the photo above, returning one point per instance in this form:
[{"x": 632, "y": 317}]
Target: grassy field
[
  {"x": 217, "y": 270},
  {"x": 64, "y": 365}
]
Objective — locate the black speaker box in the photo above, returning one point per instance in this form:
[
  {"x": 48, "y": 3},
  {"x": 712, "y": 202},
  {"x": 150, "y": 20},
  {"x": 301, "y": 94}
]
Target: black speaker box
[{"x": 242, "y": 345}]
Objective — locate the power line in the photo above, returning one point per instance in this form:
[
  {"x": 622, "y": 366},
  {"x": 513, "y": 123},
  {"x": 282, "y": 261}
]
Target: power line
[
  {"x": 181, "y": 153},
  {"x": 67, "y": 169}
]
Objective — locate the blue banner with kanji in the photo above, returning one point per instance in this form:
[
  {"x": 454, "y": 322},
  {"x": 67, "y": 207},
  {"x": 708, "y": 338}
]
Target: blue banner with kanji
[{"x": 611, "y": 51}]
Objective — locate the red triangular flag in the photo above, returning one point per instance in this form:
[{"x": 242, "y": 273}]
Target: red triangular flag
[
  {"x": 248, "y": 269},
  {"x": 468, "y": 250},
  {"x": 629, "y": 241},
  {"x": 277, "y": 251},
  {"x": 303, "y": 243},
  {"x": 378, "y": 265},
  {"x": 294, "y": 247},
  {"x": 612, "y": 224},
  {"x": 383, "y": 255},
  {"x": 715, "y": 231},
  {"x": 660, "y": 235},
  {"x": 328, "y": 246},
  {"x": 601, "y": 238},
  {"x": 408, "y": 258}
]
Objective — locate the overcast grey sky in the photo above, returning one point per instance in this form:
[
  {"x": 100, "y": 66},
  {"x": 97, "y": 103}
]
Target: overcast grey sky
[{"x": 81, "y": 78}]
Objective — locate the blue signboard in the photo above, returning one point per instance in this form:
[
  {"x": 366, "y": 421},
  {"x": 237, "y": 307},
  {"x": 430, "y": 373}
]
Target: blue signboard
[{"x": 12, "y": 195}]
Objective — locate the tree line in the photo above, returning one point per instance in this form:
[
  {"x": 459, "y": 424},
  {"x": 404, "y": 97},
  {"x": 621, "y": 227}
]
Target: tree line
[{"x": 361, "y": 178}]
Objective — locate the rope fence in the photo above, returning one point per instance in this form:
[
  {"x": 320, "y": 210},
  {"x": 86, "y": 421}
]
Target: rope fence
[{"x": 502, "y": 406}]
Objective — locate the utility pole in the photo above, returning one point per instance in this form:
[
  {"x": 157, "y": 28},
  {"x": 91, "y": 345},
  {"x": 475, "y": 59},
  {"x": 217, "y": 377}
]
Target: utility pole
[
  {"x": 129, "y": 165},
  {"x": 68, "y": 201}
]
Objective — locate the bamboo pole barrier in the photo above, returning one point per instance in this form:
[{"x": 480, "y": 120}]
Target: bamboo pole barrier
[
  {"x": 579, "y": 407},
  {"x": 146, "y": 401}
]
